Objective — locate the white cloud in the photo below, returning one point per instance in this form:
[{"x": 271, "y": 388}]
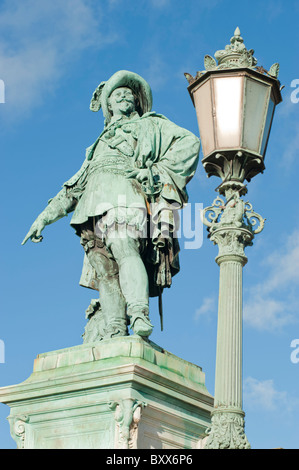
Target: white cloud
[
  {"x": 273, "y": 303},
  {"x": 208, "y": 306},
  {"x": 263, "y": 395},
  {"x": 268, "y": 313},
  {"x": 287, "y": 120},
  {"x": 284, "y": 265},
  {"x": 271, "y": 10},
  {"x": 160, "y": 3},
  {"x": 38, "y": 40},
  {"x": 156, "y": 72},
  {"x": 286, "y": 107},
  {"x": 291, "y": 147}
]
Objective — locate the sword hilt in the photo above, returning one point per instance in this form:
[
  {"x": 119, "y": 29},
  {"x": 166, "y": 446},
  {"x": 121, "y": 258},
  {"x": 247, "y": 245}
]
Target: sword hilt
[{"x": 150, "y": 187}]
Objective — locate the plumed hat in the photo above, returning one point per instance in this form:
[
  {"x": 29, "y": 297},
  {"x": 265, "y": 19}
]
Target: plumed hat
[{"x": 122, "y": 78}]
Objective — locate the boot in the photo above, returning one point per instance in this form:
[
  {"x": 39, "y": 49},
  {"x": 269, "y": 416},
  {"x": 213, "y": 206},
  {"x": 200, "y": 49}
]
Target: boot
[
  {"x": 113, "y": 307},
  {"x": 139, "y": 322},
  {"x": 113, "y": 304}
]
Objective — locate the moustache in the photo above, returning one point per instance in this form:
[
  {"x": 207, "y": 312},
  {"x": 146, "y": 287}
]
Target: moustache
[{"x": 125, "y": 99}]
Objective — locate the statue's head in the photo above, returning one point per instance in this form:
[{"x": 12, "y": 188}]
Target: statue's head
[
  {"x": 127, "y": 86},
  {"x": 123, "y": 101}
]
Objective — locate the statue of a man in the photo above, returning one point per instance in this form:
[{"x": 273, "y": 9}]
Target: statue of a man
[{"x": 134, "y": 177}]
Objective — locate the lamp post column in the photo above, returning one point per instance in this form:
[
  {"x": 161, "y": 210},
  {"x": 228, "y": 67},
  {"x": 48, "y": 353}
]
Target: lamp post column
[
  {"x": 228, "y": 377},
  {"x": 230, "y": 226},
  {"x": 235, "y": 101}
]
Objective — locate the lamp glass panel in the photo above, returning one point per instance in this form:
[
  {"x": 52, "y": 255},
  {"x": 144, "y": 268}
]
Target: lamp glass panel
[
  {"x": 268, "y": 123},
  {"x": 228, "y": 102},
  {"x": 255, "y": 108},
  {"x": 203, "y": 105}
]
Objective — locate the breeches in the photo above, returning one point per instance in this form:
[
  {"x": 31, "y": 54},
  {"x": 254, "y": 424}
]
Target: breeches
[{"x": 118, "y": 263}]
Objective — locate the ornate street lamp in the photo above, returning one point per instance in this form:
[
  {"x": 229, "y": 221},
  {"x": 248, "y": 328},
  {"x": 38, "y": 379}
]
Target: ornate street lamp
[{"x": 235, "y": 102}]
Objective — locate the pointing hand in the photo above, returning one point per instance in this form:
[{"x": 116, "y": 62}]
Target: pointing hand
[{"x": 35, "y": 232}]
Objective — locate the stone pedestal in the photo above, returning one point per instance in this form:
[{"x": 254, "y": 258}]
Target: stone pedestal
[{"x": 123, "y": 393}]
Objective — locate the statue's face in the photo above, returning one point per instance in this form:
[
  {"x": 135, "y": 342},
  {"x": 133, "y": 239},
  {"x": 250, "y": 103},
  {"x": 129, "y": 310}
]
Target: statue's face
[{"x": 121, "y": 102}]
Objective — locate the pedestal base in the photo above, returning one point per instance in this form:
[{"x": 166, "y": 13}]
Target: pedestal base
[{"x": 119, "y": 393}]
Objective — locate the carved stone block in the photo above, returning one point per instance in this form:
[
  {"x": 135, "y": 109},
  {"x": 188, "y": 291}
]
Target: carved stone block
[{"x": 122, "y": 393}]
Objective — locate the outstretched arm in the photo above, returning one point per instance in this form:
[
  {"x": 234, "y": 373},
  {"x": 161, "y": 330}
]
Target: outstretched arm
[{"x": 57, "y": 208}]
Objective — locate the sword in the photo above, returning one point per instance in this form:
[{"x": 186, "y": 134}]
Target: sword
[{"x": 151, "y": 189}]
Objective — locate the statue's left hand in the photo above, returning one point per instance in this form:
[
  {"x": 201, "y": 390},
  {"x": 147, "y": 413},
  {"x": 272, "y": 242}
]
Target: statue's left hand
[{"x": 138, "y": 174}]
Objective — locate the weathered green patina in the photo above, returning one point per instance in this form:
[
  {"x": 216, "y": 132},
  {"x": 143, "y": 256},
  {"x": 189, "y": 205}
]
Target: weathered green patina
[
  {"x": 124, "y": 199},
  {"x": 235, "y": 101},
  {"x": 234, "y": 55},
  {"x": 120, "y": 393}
]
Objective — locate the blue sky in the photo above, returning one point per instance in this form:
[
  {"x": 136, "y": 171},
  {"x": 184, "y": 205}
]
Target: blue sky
[{"x": 52, "y": 57}]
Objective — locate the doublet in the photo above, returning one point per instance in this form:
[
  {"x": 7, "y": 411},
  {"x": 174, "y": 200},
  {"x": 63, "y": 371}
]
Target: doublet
[{"x": 107, "y": 192}]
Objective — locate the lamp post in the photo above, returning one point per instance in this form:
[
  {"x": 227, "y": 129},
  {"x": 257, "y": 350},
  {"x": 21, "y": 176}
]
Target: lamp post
[{"x": 235, "y": 102}]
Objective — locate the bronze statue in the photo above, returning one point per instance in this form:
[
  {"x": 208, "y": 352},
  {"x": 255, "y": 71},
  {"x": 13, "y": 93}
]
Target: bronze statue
[{"x": 125, "y": 198}]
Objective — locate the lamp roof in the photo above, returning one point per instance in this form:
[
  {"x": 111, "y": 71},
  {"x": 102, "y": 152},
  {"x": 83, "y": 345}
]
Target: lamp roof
[{"x": 233, "y": 56}]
